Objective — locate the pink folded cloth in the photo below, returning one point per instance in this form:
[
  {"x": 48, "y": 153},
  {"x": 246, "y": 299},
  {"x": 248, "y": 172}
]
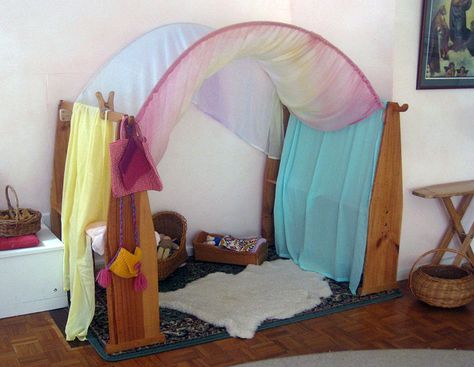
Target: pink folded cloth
[{"x": 13, "y": 243}]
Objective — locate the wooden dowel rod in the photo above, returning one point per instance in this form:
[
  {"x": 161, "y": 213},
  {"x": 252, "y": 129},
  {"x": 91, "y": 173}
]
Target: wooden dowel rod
[
  {"x": 111, "y": 115},
  {"x": 115, "y": 116},
  {"x": 402, "y": 108}
]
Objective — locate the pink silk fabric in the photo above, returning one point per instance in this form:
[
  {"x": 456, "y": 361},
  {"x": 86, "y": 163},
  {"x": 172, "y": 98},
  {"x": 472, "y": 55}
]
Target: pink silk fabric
[{"x": 315, "y": 80}]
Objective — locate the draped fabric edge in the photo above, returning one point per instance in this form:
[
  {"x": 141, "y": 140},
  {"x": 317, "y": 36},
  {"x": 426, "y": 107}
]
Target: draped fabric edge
[
  {"x": 372, "y": 104},
  {"x": 377, "y": 102},
  {"x": 282, "y": 248},
  {"x": 78, "y": 275},
  {"x": 122, "y": 49}
]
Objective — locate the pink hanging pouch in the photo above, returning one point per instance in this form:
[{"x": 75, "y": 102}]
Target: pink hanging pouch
[{"x": 132, "y": 166}]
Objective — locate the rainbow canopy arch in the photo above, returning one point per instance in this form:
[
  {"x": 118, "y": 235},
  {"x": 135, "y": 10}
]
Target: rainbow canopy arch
[{"x": 241, "y": 75}]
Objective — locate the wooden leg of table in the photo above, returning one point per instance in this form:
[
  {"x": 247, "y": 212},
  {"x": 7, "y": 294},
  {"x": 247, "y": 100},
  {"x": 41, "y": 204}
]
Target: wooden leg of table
[
  {"x": 466, "y": 247},
  {"x": 449, "y": 233},
  {"x": 455, "y": 217},
  {"x": 470, "y": 253}
]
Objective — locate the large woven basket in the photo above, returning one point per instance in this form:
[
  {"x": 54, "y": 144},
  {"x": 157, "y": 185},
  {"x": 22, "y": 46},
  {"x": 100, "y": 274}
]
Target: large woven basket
[
  {"x": 18, "y": 222},
  {"x": 445, "y": 286},
  {"x": 174, "y": 225}
]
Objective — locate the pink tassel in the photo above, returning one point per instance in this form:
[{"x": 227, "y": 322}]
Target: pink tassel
[
  {"x": 104, "y": 278},
  {"x": 140, "y": 283}
]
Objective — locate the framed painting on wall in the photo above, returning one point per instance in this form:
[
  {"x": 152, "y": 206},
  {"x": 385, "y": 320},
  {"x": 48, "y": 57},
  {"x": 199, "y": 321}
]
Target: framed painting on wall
[{"x": 446, "y": 55}]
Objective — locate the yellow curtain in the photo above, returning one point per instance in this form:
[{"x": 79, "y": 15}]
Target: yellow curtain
[{"x": 86, "y": 195}]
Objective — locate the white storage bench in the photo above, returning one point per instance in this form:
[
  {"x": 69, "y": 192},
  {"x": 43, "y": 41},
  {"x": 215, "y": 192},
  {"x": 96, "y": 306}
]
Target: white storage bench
[{"x": 31, "y": 279}]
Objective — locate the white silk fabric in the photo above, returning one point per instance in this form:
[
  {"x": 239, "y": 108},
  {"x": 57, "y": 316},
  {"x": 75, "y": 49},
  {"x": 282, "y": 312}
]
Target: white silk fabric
[
  {"x": 133, "y": 71},
  {"x": 315, "y": 80},
  {"x": 241, "y": 96}
]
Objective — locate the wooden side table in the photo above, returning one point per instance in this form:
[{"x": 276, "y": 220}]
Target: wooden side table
[{"x": 445, "y": 192}]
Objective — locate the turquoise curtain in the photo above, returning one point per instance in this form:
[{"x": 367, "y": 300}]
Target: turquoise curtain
[{"x": 323, "y": 196}]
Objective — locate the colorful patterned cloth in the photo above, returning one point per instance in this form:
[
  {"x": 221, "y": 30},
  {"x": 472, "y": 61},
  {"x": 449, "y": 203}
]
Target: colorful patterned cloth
[{"x": 243, "y": 244}]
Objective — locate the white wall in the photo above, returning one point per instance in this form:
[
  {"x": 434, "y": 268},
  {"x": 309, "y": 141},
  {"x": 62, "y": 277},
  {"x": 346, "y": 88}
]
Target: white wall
[
  {"x": 437, "y": 140},
  {"x": 211, "y": 177},
  {"x": 49, "y": 49},
  {"x": 363, "y": 30}
]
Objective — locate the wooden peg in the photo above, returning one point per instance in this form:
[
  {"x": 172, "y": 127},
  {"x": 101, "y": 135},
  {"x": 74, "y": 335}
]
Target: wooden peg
[
  {"x": 103, "y": 105},
  {"x": 108, "y": 106},
  {"x": 403, "y": 107}
]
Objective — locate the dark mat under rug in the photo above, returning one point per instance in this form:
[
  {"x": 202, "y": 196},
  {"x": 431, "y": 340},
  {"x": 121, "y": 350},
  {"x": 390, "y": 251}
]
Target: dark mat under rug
[
  {"x": 59, "y": 317},
  {"x": 183, "y": 330}
]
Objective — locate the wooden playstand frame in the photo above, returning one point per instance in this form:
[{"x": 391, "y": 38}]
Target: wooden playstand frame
[
  {"x": 385, "y": 212},
  {"x": 134, "y": 316}
]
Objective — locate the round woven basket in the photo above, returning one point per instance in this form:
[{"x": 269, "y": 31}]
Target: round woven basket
[
  {"x": 174, "y": 225},
  {"x": 18, "y": 222},
  {"x": 445, "y": 286}
]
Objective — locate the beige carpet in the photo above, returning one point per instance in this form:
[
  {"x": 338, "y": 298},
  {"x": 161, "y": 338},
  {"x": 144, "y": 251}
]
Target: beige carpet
[{"x": 376, "y": 358}]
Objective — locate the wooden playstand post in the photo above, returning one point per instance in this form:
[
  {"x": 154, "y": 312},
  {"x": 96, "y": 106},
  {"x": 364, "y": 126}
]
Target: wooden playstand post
[
  {"x": 63, "y": 127},
  {"x": 134, "y": 318},
  {"x": 385, "y": 211},
  {"x": 269, "y": 190}
]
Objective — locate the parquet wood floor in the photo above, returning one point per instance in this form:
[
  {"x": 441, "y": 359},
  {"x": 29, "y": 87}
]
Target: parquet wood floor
[{"x": 35, "y": 341}]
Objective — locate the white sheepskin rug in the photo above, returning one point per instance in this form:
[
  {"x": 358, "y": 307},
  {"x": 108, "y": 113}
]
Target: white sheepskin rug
[{"x": 240, "y": 303}]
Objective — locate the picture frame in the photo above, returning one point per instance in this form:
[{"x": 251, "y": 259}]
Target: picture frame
[{"x": 446, "y": 49}]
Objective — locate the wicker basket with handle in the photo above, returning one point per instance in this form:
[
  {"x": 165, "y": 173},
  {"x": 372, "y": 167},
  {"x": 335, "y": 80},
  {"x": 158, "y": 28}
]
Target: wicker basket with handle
[
  {"x": 18, "y": 222},
  {"x": 441, "y": 285},
  {"x": 174, "y": 225}
]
